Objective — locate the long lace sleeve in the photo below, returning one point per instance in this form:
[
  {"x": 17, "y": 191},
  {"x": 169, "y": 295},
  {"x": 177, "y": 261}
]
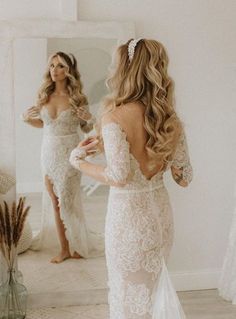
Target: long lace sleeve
[
  {"x": 181, "y": 160},
  {"x": 86, "y": 126},
  {"x": 117, "y": 155}
]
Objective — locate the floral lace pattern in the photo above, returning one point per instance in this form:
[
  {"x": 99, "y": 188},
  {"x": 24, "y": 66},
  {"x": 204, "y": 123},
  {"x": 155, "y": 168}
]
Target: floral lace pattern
[
  {"x": 137, "y": 299},
  {"x": 138, "y": 230},
  {"x": 181, "y": 159},
  {"x": 59, "y": 139}
]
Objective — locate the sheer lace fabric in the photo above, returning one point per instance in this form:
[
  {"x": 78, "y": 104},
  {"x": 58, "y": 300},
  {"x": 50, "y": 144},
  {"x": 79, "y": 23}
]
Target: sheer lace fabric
[
  {"x": 60, "y": 137},
  {"x": 182, "y": 160},
  {"x": 138, "y": 229}
]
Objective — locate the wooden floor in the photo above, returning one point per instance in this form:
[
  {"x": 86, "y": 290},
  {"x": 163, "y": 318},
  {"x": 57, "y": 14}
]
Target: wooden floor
[
  {"x": 202, "y": 304},
  {"x": 206, "y": 304}
]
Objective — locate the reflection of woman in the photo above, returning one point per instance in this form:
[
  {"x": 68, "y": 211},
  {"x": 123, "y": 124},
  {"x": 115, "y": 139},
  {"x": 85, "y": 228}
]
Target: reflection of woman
[
  {"x": 143, "y": 137},
  {"x": 61, "y": 109}
]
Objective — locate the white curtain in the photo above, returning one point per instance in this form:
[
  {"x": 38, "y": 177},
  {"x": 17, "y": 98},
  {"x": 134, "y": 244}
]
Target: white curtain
[{"x": 7, "y": 124}]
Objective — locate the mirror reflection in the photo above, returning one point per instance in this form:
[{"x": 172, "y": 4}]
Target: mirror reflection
[{"x": 58, "y": 92}]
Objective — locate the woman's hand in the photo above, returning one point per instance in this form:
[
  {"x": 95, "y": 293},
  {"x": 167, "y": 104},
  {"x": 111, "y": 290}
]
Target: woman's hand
[
  {"x": 84, "y": 114},
  {"x": 89, "y": 145},
  {"x": 85, "y": 148},
  {"x": 177, "y": 174},
  {"x": 31, "y": 113}
]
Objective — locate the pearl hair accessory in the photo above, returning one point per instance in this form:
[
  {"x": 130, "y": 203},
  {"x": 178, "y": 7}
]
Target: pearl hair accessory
[{"x": 131, "y": 48}]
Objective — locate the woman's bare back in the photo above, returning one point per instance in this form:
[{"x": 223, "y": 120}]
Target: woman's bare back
[{"x": 130, "y": 117}]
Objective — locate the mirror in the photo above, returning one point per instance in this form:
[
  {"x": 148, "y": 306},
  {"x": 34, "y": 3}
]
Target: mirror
[{"x": 73, "y": 280}]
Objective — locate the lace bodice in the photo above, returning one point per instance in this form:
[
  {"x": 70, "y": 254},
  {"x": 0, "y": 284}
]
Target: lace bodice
[
  {"x": 123, "y": 167},
  {"x": 66, "y": 123}
]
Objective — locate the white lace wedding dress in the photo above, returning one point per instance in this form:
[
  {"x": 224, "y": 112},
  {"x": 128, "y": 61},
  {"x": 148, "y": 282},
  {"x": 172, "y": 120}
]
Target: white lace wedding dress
[
  {"x": 60, "y": 137},
  {"x": 138, "y": 233}
]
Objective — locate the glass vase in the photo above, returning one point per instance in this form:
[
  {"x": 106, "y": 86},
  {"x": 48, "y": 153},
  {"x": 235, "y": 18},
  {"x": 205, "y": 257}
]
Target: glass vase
[{"x": 13, "y": 297}]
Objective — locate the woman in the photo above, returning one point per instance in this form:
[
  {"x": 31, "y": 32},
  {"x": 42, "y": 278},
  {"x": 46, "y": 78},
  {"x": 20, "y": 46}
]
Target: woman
[
  {"x": 143, "y": 137},
  {"x": 61, "y": 110}
]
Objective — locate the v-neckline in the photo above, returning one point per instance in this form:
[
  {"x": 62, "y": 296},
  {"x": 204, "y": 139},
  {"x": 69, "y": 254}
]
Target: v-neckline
[{"x": 58, "y": 115}]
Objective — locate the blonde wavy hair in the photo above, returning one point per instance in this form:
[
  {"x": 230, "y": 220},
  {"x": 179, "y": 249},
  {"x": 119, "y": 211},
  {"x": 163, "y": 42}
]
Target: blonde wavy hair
[
  {"x": 73, "y": 82},
  {"x": 145, "y": 79}
]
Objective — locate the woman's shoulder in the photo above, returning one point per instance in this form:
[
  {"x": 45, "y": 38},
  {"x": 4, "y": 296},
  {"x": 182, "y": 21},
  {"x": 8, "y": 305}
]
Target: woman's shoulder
[
  {"x": 110, "y": 116},
  {"x": 124, "y": 110}
]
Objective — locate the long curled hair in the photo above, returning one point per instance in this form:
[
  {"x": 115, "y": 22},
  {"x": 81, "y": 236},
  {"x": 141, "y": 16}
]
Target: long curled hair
[
  {"x": 145, "y": 79},
  {"x": 73, "y": 82}
]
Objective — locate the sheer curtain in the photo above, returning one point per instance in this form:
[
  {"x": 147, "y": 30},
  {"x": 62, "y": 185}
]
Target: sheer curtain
[
  {"x": 7, "y": 128},
  {"x": 227, "y": 282}
]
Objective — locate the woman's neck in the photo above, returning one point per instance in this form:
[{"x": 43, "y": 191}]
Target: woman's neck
[{"x": 60, "y": 88}]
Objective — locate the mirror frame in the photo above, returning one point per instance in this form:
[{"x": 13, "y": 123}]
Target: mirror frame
[
  {"x": 19, "y": 28},
  {"x": 122, "y": 31}
]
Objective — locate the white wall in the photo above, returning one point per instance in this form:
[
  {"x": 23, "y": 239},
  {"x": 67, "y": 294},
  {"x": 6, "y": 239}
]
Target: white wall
[
  {"x": 29, "y": 66},
  {"x": 200, "y": 38},
  {"x": 7, "y": 133},
  {"x": 7, "y": 123},
  {"x": 11, "y": 9},
  {"x": 34, "y": 9}
]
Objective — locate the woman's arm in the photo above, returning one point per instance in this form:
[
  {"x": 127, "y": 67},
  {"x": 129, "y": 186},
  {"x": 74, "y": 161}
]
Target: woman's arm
[
  {"x": 177, "y": 175},
  {"x": 34, "y": 122},
  {"x": 181, "y": 168},
  {"x": 97, "y": 172},
  {"x": 86, "y": 119},
  {"x": 117, "y": 171},
  {"x": 31, "y": 117}
]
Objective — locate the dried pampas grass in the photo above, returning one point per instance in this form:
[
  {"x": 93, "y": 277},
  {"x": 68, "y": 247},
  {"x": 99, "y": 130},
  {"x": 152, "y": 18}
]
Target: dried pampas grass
[{"x": 11, "y": 228}]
